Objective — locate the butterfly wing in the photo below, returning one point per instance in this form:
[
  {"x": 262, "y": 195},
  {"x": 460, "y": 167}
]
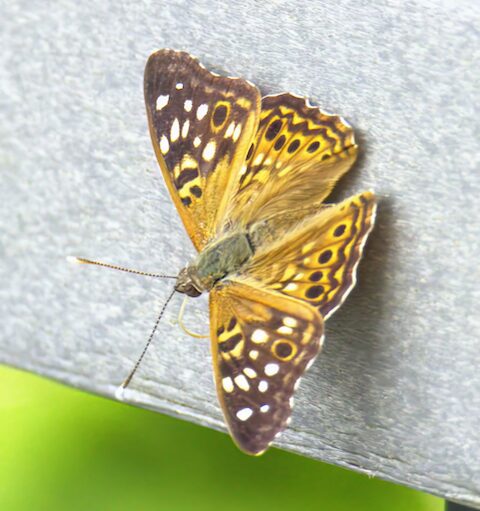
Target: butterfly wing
[
  {"x": 201, "y": 126},
  {"x": 262, "y": 342},
  {"x": 297, "y": 155},
  {"x": 316, "y": 261}
]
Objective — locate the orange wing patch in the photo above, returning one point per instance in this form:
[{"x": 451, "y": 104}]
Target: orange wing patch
[
  {"x": 316, "y": 261},
  {"x": 297, "y": 155}
]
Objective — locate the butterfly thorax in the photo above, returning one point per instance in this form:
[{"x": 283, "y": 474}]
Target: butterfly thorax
[{"x": 218, "y": 259}]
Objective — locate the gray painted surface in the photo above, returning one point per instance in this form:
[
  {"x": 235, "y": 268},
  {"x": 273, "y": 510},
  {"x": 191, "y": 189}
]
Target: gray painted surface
[{"x": 396, "y": 393}]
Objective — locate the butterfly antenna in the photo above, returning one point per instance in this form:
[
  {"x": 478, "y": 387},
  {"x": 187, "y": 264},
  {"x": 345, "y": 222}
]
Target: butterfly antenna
[
  {"x": 128, "y": 379},
  {"x": 82, "y": 260}
]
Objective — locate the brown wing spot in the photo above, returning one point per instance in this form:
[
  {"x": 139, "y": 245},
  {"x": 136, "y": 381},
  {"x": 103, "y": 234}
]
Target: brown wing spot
[
  {"x": 186, "y": 175},
  {"x": 250, "y": 151},
  {"x": 313, "y": 147},
  {"x": 196, "y": 190},
  {"x": 284, "y": 349},
  {"x": 314, "y": 292},
  {"x": 316, "y": 276},
  {"x": 273, "y": 129},
  {"x": 219, "y": 115},
  {"x": 186, "y": 201},
  {"x": 325, "y": 256},
  {"x": 231, "y": 343},
  {"x": 339, "y": 230},
  {"x": 279, "y": 143},
  {"x": 293, "y": 146},
  {"x": 220, "y": 331},
  {"x": 231, "y": 324}
]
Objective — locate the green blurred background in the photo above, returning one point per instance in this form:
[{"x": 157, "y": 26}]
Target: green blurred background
[{"x": 64, "y": 449}]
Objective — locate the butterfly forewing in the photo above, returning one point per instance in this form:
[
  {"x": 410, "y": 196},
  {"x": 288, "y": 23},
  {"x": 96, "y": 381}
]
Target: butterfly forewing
[
  {"x": 316, "y": 261},
  {"x": 297, "y": 155},
  {"x": 201, "y": 126},
  {"x": 262, "y": 342}
]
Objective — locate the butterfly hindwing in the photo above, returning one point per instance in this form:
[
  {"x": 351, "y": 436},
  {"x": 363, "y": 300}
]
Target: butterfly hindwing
[
  {"x": 297, "y": 155},
  {"x": 262, "y": 343},
  {"x": 201, "y": 126},
  {"x": 316, "y": 261}
]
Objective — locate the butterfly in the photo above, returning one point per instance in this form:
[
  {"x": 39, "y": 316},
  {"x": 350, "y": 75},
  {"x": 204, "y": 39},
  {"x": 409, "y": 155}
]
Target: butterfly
[{"x": 249, "y": 176}]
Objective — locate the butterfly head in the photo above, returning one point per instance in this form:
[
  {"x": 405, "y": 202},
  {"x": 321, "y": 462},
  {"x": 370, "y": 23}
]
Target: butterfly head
[{"x": 188, "y": 282}]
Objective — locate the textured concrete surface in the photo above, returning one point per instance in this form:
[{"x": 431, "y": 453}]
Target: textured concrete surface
[{"x": 396, "y": 393}]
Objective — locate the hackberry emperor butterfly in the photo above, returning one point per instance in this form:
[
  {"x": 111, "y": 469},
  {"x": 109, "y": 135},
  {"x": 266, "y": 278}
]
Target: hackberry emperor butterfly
[{"x": 249, "y": 177}]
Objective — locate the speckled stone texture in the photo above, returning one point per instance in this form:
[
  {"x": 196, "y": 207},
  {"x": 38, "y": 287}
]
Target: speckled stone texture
[{"x": 396, "y": 392}]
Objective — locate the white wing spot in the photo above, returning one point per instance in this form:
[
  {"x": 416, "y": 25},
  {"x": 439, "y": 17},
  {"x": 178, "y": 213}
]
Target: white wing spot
[
  {"x": 288, "y": 321},
  {"x": 263, "y": 386},
  {"x": 227, "y": 384},
  {"x": 162, "y": 101},
  {"x": 258, "y": 159},
  {"x": 291, "y": 402},
  {"x": 185, "y": 128},
  {"x": 196, "y": 141},
  {"x": 285, "y": 330},
  {"x": 202, "y": 111},
  {"x": 230, "y": 130},
  {"x": 237, "y": 132},
  {"x": 310, "y": 364},
  {"x": 259, "y": 336},
  {"x": 244, "y": 414},
  {"x": 264, "y": 408},
  {"x": 253, "y": 354},
  {"x": 271, "y": 369},
  {"x": 209, "y": 151},
  {"x": 175, "y": 131},
  {"x": 297, "y": 384},
  {"x": 291, "y": 286},
  {"x": 187, "y": 105},
  {"x": 164, "y": 145},
  {"x": 250, "y": 372},
  {"x": 179, "y": 86},
  {"x": 242, "y": 382}
]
